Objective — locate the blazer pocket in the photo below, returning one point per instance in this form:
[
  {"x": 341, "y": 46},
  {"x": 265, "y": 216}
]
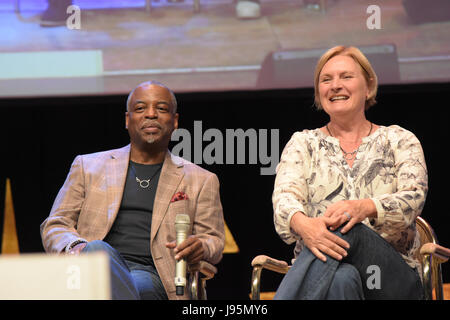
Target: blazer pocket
[
  {"x": 168, "y": 224},
  {"x": 179, "y": 206}
]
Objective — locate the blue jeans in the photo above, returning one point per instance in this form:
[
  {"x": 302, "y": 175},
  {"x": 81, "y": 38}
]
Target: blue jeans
[
  {"x": 129, "y": 280},
  {"x": 312, "y": 279}
]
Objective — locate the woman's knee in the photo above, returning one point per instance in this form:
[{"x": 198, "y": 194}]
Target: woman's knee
[
  {"x": 356, "y": 229},
  {"x": 360, "y": 234},
  {"x": 346, "y": 284}
]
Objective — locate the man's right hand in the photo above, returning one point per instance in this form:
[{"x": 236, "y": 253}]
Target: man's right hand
[
  {"x": 317, "y": 237},
  {"x": 78, "y": 248}
]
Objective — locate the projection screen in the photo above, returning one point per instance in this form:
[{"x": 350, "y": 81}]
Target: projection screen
[{"x": 109, "y": 46}]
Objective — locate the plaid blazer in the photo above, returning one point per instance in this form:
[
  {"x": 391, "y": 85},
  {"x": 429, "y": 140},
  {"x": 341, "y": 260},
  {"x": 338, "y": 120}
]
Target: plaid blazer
[{"x": 88, "y": 203}]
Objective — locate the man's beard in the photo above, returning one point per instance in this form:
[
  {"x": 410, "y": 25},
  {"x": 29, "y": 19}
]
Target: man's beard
[
  {"x": 157, "y": 138},
  {"x": 151, "y": 139}
]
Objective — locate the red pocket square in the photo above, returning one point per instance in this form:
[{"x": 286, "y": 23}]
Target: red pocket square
[{"x": 179, "y": 196}]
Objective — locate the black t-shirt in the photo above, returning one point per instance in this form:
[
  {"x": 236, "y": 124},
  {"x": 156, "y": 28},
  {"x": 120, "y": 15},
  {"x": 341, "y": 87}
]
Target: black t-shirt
[{"x": 130, "y": 233}]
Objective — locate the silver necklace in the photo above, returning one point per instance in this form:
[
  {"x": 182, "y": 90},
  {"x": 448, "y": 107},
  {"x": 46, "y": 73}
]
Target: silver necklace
[
  {"x": 350, "y": 156},
  {"x": 144, "y": 184}
]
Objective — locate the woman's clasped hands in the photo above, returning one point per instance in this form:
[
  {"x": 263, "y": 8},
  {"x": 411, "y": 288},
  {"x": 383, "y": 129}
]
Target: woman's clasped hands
[{"x": 317, "y": 232}]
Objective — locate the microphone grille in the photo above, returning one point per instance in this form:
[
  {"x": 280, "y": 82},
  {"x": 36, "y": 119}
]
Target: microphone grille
[{"x": 182, "y": 218}]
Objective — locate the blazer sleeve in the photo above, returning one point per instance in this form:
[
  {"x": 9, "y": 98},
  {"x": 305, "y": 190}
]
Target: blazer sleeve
[
  {"x": 209, "y": 222},
  {"x": 59, "y": 229}
]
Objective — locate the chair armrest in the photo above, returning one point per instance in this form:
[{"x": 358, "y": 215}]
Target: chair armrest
[
  {"x": 439, "y": 252},
  {"x": 270, "y": 264},
  {"x": 206, "y": 268}
]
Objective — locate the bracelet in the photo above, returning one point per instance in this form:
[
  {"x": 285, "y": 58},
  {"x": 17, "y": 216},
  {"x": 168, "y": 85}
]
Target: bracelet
[{"x": 73, "y": 244}]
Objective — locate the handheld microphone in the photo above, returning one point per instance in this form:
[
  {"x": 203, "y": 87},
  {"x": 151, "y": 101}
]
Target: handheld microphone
[{"x": 182, "y": 224}]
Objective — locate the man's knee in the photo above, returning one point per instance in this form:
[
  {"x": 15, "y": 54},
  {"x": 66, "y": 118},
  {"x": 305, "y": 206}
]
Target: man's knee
[{"x": 97, "y": 245}]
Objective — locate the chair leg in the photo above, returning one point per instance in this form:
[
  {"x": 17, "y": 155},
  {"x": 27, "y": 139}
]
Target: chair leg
[
  {"x": 427, "y": 273},
  {"x": 256, "y": 282},
  {"x": 197, "y": 286},
  {"x": 432, "y": 278},
  {"x": 437, "y": 279},
  {"x": 202, "y": 288},
  {"x": 193, "y": 285}
]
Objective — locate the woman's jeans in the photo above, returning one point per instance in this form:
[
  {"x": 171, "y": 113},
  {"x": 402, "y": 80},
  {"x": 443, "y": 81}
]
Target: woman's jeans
[
  {"x": 372, "y": 270},
  {"x": 129, "y": 280}
]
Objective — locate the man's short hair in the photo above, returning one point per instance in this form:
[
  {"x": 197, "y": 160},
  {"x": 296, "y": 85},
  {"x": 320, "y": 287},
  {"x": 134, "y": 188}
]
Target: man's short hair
[{"x": 155, "y": 83}]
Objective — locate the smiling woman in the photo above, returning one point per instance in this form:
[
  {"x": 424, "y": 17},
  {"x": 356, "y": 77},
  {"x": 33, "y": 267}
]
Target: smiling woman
[
  {"x": 346, "y": 86},
  {"x": 349, "y": 192},
  {"x": 360, "y": 60},
  {"x": 342, "y": 87}
]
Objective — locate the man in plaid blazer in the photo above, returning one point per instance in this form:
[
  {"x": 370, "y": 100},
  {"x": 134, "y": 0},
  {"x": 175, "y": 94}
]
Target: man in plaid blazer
[{"x": 88, "y": 213}]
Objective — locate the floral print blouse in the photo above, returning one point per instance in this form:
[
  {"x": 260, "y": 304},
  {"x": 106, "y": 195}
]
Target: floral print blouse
[{"x": 389, "y": 168}]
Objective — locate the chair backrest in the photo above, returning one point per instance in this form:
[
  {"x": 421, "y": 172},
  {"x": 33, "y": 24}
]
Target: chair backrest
[
  {"x": 431, "y": 268},
  {"x": 426, "y": 231},
  {"x": 426, "y": 234}
]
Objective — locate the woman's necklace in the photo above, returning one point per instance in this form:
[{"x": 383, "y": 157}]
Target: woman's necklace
[
  {"x": 350, "y": 156},
  {"x": 144, "y": 184}
]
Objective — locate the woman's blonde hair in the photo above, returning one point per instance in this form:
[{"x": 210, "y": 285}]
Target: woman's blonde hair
[{"x": 360, "y": 59}]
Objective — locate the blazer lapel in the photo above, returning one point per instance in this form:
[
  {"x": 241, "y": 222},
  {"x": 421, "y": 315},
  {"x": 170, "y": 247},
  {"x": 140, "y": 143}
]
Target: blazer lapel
[
  {"x": 116, "y": 173},
  {"x": 171, "y": 174}
]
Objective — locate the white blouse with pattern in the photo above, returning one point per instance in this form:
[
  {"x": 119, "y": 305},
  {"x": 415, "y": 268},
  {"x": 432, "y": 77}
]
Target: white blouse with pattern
[{"x": 389, "y": 168}]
